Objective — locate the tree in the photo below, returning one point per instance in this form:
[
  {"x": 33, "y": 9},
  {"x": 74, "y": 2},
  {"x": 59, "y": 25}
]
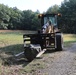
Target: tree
[
  {"x": 30, "y": 20},
  {"x": 4, "y": 16},
  {"x": 15, "y": 18},
  {"x": 53, "y": 9},
  {"x": 68, "y": 10}
]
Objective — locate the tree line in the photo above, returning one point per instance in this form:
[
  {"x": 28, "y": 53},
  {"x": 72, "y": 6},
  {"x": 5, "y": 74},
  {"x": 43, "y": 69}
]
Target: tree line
[{"x": 13, "y": 18}]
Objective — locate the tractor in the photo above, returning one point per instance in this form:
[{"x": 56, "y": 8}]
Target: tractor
[{"x": 36, "y": 44}]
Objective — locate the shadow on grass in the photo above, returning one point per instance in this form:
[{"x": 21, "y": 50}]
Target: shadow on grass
[{"x": 7, "y": 55}]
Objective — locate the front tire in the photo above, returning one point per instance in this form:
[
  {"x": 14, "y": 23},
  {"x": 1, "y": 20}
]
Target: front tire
[
  {"x": 30, "y": 53},
  {"x": 59, "y": 42}
]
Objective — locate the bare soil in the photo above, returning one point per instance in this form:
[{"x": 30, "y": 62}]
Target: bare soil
[
  {"x": 60, "y": 63},
  {"x": 21, "y": 31}
]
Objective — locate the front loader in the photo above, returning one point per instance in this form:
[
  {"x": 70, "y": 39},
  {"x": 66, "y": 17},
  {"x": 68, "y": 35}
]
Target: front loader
[{"x": 36, "y": 44}]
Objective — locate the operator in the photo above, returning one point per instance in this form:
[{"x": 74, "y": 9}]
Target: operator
[
  {"x": 48, "y": 27},
  {"x": 44, "y": 27}
]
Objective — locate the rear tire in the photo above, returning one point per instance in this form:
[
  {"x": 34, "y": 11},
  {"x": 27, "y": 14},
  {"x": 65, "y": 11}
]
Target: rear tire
[{"x": 59, "y": 42}]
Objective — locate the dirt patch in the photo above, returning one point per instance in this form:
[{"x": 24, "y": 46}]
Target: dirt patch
[
  {"x": 21, "y": 31},
  {"x": 61, "y": 63},
  {"x": 11, "y": 30}
]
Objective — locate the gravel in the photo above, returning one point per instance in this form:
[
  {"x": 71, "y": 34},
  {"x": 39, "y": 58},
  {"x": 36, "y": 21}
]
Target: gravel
[{"x": 60, "y": 63}]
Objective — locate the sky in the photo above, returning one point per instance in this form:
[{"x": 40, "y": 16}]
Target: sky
[{"x": 34, "y": 5}]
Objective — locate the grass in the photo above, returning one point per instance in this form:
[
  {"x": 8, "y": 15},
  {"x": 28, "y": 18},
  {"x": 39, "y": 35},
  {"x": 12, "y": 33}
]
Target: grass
[
  {"x": 11, "y": 43},
  {"x": 69, "y": 39}
]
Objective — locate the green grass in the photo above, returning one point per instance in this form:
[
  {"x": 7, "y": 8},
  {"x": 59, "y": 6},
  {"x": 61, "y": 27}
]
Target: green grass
[
  {"x": 11, "y": 43},
  {"x": 69, "y": 39}
]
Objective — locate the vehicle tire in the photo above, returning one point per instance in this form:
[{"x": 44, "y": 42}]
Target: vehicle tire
[
  {"x": 59, "y": 41},
  {"x": 30, "y": 53}
]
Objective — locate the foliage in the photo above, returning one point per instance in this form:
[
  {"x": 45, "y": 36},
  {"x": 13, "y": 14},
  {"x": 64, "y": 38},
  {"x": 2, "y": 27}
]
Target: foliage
[
  {"x": 53, "y": 9},
  {"x": 13, "y": 18},
  {"x": 68, "y": 10}
]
